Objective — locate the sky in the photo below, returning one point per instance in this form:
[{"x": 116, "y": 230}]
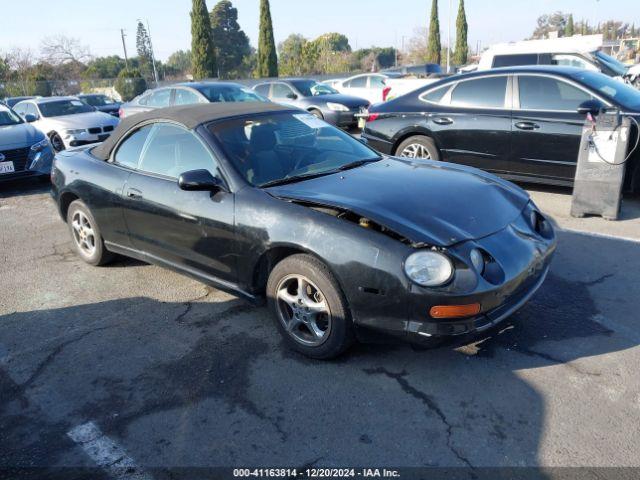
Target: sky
[{"x": 365, "y": 22}]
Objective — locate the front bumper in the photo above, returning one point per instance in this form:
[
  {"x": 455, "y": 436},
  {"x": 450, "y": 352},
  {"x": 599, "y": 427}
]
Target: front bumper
[
  {"x": 342, "y": 119},
  {"x": 78, "y": 140},
  {"x": 29, "y": 165},
  {"x": 519, "y": 259}
]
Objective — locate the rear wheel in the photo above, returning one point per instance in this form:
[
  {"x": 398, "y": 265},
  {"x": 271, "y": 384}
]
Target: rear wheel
[
  {"x": 418, "y": 146},
  {"x": 309, "y": 307},
  {"x": 86, "y": 236}
]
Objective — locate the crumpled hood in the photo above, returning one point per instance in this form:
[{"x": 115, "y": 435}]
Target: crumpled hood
[
  {"x": 18, "y": 136},
  {"x": 83, "y": 120},
  {"x": 427, "y": 202}
]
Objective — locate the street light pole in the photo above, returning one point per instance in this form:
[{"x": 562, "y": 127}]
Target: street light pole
[
  {"x": 124, "y": 46},
  {"x": 449, "y": 39},
  {"x": 153, "y": 56}
]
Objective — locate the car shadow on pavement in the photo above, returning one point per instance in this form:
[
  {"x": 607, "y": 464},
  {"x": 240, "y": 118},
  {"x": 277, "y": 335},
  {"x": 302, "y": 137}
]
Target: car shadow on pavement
[
  {"x": 209, "y": 383},
  {"x": 24, "y": 187}
]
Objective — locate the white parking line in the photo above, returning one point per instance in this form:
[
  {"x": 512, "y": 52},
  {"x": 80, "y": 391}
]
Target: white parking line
[{"x": 106, "y": 453}]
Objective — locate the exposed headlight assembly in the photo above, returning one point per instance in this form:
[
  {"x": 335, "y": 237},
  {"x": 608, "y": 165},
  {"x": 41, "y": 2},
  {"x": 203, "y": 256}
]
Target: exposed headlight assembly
[
  {"x": 428, "y": 268},
  {"x": 337, "y": 107}
]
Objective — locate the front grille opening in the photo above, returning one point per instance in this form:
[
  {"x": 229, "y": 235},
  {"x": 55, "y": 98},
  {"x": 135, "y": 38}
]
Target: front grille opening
[{"x": 108, "y": 129}]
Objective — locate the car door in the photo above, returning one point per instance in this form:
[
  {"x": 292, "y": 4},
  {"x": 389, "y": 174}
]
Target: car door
[
  {"x": 472, "y": 123},
  {"x": 283, "y": 94},
  {"x": 190, "y": 230},
  {"x": 184, "y": 96},
  {"x": 546, "y": 126}
]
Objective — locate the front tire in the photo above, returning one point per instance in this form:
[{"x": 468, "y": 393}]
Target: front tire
[
  {"x": 309, "y": 307},
  {"x": 418, "y": 146},
  {"x": 316, "y": 113},
  {"x": 56, "y": 142},
  {"x": 85, "y": 234}
]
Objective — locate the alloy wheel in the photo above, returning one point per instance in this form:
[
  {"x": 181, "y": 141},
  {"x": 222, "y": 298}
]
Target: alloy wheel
[
  {"x": 415, "y": 150},
  {"x": 56, "y": 142},
  {"x": 83, "y": 233},
  {"x": 303, "y": 310}
]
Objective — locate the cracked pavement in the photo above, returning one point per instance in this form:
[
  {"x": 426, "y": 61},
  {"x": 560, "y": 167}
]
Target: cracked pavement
[{"x": 180, "y": 374}]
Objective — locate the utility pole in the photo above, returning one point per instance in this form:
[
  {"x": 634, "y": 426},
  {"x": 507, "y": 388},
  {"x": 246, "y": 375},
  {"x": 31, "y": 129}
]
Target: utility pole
[
  {"x": 449, "y": 39},
  {"x": 124, "y": 46}
]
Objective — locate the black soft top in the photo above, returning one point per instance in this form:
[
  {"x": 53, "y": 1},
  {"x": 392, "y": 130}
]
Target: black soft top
[{"x": 189, "y": 116}]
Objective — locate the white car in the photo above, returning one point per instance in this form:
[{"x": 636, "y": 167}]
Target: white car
[
  {"x": 379, "y": 87},
  {"x": 67, "y": 121}
]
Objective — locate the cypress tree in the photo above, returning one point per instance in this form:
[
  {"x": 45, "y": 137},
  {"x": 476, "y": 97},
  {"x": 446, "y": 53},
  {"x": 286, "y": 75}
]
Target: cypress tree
[
  {"x": 267, "y": 56},
  {"x": 203, "y": 57},
  {"x": 462, "y": 47},
  {"x": 231, "y": 43},
  {"x": 433, "y": 47},
  {"x": 569, "y": 29}
]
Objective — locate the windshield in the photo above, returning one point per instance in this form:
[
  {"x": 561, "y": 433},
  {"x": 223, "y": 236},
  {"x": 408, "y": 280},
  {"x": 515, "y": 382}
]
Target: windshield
[
  {"x": 98, "y": 100},
  {"x": 311, "y": 88},
  {"x": 618, "y": 67},
  {"x": 284, "y": 147},
  {"x": 230, "y": 93},
  {"x": 621, "y": 93},
  {"x": 8, "y": 117},
  {"x": 59, "y": 108}
]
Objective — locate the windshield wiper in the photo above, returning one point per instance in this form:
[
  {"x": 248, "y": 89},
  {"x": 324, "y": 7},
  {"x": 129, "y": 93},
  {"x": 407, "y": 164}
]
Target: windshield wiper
[
  {"x": 294, "y": 179},
  {"x": 358, "y": 163}
]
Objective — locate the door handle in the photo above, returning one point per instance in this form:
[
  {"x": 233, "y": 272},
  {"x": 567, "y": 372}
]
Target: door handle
[
  {"x": 134, "y": 193},
  {"x": 527, "y": 126},
  {"x": 443, "y": 120}
]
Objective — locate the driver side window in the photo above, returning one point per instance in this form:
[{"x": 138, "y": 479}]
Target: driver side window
[{"x": 171, "y": 150}]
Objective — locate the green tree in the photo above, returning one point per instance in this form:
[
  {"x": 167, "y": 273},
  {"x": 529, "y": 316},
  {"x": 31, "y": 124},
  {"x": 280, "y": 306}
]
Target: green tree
[
  {"x": 104, "y": 67},
  {"x": 334, "y": 42},
  {"x": 433, "y": 46},
  {"x": 291, "y": 55},
  {"x": 554, "y": 22},
  {"x": 143, "y": 47},
  {"x": 569, "y": 29},
  {"x": 461, "y": 52},
  {"x": 203, "y": 56},
  {"x": 267, "y": 56},
  {"x": 130, "y": 84},
  {"x": 231, "y": 43},
  {"x": 179, "y": 62}
]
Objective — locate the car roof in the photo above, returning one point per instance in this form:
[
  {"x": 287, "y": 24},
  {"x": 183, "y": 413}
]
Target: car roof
[
  {"x": 189, "y": 116},
  {"x": 42, "y": 100},
  {"x": 197, "y": 85},
  {"x": 549, "y": 69},
  {"x": 575, "y": 44}
]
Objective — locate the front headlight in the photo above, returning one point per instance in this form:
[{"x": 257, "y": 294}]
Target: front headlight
[
  {"x": 337, "y": 107},
  {"x": 428, "y": 269},
  {"x": 76, "y": 131},
  {"x": 41, "y": 145}
]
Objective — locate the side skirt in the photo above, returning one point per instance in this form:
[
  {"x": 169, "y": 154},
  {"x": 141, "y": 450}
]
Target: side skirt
[{"x": 189, "y": 272}]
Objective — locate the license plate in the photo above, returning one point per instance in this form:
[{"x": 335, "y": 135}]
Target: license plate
[
  {"x": 6, "y": 167},
  {"x": 361, "y": 122}
]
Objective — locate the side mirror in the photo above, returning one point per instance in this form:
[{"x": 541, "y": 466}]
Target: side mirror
[
  {"x": 200, "y": 180},
  {"x": 30, "y": 118},
  {"x": 292, "y": 96},
  {"x": 590, "y": 106}
]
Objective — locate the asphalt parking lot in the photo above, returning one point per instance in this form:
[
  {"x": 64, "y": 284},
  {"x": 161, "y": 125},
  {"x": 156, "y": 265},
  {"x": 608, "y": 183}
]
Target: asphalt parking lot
[{"x": 178, "y": 374}]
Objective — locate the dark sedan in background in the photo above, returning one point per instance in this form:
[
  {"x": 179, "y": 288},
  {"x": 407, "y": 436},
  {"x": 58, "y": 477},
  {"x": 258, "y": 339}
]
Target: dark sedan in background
[
  {"x": 189, "y": 94},
  {"x": 320, "y": 99},
  {"x": 522, "y": 123},
  {"x": 268, "y": 201},
  {"x": 102, "y": 103}
]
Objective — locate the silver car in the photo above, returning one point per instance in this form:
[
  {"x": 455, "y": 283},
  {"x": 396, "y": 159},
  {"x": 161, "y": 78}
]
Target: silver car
[{"x": 189, "y": 93}]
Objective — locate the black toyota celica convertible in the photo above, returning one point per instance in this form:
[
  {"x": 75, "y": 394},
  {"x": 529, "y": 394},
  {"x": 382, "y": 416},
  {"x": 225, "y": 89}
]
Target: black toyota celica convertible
[{"x": 271, "y": 202}]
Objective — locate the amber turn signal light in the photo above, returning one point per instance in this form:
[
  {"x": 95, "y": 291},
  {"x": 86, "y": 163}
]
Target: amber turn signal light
[{"x": 455, "y": 311}]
